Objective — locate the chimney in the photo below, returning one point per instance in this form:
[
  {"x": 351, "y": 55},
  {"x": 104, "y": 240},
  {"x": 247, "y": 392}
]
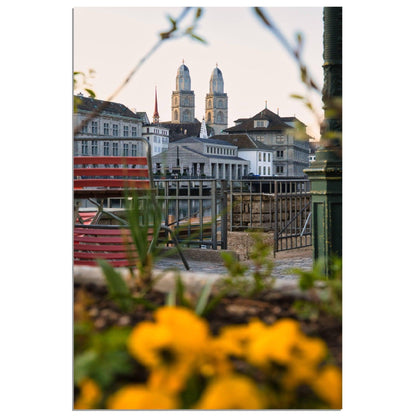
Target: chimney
[{"x": 277, "y": 112}]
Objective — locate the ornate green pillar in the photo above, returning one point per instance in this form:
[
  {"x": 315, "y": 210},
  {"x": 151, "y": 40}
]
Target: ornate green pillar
[{"x": 325, "y": 173}]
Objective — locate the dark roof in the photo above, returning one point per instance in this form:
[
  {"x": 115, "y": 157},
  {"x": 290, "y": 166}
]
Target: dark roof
[
  {"x": 179, "y": 131},
  {"x": 208, "y": 141},
  {"x": 104, "y": 107},
  {"x": 292, "y": 119},
  {"x": 247, "y": 124},
  {"x": 242, "y": 141},
  {"x": 213, "y": 156}
]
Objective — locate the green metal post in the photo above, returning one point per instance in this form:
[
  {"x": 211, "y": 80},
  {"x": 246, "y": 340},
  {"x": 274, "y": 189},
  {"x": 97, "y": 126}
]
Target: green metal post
[{"x": 325, "y": 173}]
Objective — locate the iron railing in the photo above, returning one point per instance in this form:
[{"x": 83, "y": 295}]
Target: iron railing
[{"x": 278, "y": 205}]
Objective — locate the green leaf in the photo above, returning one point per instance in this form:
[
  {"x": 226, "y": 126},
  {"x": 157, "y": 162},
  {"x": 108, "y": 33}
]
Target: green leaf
[
  {"x": 298, "y": 97},
  {"x": 117, "y": 287},
  {"x": 198, "y": 13},
  {"x": 198, "y": 38},
  {"x": 171, "y": 298},
  {"x": 203, "y": 298},
  {"x": 90, "y": 92},
  {"x": 180, "y": 291},
  {"x": 83, "y": 364}
]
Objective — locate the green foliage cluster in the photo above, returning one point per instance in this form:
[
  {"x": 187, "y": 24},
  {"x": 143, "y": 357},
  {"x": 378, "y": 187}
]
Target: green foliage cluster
[
  {"x": 240, "y": 279},
  {"x": 325, "y": 292},
  {"x": 101, "y": 355}
]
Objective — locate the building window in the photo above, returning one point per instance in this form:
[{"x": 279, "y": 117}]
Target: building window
[
  {"x": 268, "y": 157},
  {"x": 259, "y": 156},
  {"x": 115, "y": 149},
  {"x": 94, "y": 147},
  {"x": 279, "y": 169},
  {"x": 115, "y": 130},
  {"x": 106, "y": 148},
  {"x": 125, "y": 149},
  {"x": 259, "y": 170},
  {"x": 126, "y": 131},
  {"x": 94, "y": 127},
  {"x": 268, "y": 170},
  {"x": 106, "y": 129},
  {"x": 134, "y": 149},
  {"x": 85, "y": 147},
  {"x": 279, "y": 154},
  {"x": 134, "y": 131},
  {"x": 264, "y": 157}
]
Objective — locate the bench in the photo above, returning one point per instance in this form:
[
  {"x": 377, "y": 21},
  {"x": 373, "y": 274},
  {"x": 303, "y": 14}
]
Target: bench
[
  {"x": 97, "y": 178},
  {"x": 109, "y": 242}
]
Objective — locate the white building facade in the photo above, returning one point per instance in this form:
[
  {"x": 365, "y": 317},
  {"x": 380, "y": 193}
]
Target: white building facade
[
  {"x": 290, "y": 154},
  {"x": 113, "y": 131},
  {"x": 158, "y": 137},
  {"x": 201, "y": 157},
  {"x": 259, "y": 155}
]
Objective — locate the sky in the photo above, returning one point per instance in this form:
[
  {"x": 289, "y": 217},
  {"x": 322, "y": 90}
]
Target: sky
[{"x": 257, "y": 70}]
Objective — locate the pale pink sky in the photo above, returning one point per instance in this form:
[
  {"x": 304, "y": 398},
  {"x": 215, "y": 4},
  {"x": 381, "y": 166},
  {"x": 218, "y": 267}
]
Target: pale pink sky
[{"x": 254, "y": 64}]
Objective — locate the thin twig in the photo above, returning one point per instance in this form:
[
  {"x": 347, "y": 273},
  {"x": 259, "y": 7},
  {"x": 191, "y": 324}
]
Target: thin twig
[{"x": 163, "y": 37}]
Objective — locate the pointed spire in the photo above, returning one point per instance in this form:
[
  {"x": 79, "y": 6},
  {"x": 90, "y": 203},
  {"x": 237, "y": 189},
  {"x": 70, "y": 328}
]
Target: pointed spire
[
  {"x": 156, "y": 113},
  {"x": 203, "y": 133}
]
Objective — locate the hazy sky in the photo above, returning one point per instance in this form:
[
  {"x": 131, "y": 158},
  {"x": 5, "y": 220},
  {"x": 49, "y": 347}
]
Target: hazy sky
[{"x": 254, "y": 64}]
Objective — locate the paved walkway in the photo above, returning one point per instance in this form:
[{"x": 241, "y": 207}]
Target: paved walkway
[{"x": 281, "y": 268}]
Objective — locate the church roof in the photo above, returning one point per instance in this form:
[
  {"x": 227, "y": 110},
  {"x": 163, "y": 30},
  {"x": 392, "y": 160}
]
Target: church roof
[
  {"x": 216, "y": 73},
  {"x": 247, "y": 124},
  {"x": 179, "y": 131}
]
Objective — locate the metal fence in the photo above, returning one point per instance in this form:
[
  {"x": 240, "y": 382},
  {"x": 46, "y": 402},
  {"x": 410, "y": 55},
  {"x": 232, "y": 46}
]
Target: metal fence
[
  {"x": 196, "y": 209},
  {"x": 202, "y": 210},
  {"x": 278, "y": 205}
]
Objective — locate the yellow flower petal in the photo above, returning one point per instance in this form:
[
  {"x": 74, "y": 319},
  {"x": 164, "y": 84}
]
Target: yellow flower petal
[
  {"x": 140, "y": 397},
  {"x": 231, "y": 392},
  {"x": 328, "y": 385}
]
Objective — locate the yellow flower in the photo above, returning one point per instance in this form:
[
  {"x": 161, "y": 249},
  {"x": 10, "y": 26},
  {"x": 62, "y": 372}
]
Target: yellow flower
[
  {"x": 328, "y": 386},
  {"x": 310, "y": 350},
  {"x": 190, "y": 331},
  {"x": 214, "y": 358},
  {"x": 89, "y": 396},
  {"x": 231, "y": 392},
  {"x": 306, "y": 354},
  {"x": 140, "y": 397},
  {"x": 275, "y": 344},
  {"x": 170, "y": 346},
  {"x": 149, "y": 343},
  {"x": 238, "y": 337}
]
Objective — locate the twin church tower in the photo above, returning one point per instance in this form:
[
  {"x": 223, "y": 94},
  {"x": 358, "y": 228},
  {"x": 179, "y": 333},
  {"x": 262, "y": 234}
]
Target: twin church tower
[{"x": 216, "y": 101}]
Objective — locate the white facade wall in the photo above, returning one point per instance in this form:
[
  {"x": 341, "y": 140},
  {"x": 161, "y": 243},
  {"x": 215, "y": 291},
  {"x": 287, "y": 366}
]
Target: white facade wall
[
  {"x": 158, "y": 138},
  {"x": 261, "y": 161}
]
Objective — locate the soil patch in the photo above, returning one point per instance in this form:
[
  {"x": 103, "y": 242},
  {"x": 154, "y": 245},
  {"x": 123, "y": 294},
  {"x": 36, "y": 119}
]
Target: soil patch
[{"x": 92, "y": 301}]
